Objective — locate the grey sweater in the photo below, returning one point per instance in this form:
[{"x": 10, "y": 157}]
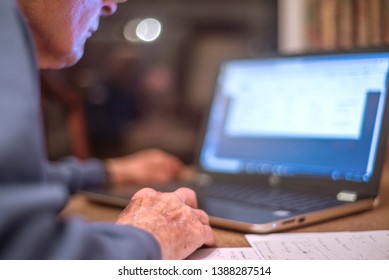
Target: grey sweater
[{"x": 32, "y": 190}]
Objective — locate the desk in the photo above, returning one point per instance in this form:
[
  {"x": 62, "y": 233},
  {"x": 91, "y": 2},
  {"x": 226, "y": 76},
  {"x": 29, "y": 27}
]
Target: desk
[{"x": 376, "y": 219}]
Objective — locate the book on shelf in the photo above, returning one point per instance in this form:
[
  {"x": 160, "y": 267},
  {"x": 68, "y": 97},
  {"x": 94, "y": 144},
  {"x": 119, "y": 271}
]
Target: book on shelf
[
  {"x": 361, "y": 23},
  {"x": 375, "y": 23},
  {"x": 328, "y": 19},
  {"x": 312, "y": 24},
  {"x": 385, "y": 21},
  {"x": 345, "y": 24}
]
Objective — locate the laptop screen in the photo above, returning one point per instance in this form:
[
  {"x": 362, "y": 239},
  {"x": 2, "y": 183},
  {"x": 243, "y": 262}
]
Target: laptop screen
[{"x": 313, "y": 115}]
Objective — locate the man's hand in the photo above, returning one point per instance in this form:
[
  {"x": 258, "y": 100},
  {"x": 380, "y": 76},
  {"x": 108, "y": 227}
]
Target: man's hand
[
  {"x": 173, "y": 218},
  {"x": 144, "y": 167}
]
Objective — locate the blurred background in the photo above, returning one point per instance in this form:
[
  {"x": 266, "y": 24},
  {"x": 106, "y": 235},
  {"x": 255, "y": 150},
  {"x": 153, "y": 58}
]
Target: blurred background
[{"x": 148, "y": 74}]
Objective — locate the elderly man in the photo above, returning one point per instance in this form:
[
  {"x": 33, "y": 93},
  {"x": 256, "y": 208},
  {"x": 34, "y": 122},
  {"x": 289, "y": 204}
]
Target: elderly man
[{"x": 32, "y": 191}]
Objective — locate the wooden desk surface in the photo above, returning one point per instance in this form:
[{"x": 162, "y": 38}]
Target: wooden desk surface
[{"x": 377, "y": 219}]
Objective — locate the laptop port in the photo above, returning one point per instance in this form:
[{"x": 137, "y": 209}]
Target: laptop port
[{"x": 288, "y": 221}]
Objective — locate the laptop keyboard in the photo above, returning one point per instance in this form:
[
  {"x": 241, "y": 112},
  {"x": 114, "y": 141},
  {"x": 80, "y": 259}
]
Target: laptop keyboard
[{"x": 275, "y": 198}]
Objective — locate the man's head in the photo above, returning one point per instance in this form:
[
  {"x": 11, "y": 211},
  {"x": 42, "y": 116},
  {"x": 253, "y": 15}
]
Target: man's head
[{"x": 61, "y": 27}]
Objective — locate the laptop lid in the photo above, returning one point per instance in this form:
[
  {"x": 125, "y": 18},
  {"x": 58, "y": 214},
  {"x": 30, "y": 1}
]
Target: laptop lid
[{"x": 317, "y": 121}]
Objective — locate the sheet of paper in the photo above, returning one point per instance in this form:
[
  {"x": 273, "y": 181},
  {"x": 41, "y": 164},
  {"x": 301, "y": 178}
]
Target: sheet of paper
[
  {"x": 245, "y": 253},
  {"x": 366, "y": 245}
]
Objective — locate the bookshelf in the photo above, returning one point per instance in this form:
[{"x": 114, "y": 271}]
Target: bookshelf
[{"x": 326, "y": 25}]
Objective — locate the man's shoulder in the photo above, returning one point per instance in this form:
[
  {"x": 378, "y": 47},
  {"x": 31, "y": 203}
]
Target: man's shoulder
[{"x": 20, "y": 128}]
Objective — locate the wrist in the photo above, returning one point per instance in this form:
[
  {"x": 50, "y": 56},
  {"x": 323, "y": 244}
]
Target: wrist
[{"x": 111, "y": 171}]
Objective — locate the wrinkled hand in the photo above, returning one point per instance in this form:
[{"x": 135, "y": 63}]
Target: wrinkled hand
[
  {"x": 144, "y": 167},
  {"x": 173, "y": 218}
]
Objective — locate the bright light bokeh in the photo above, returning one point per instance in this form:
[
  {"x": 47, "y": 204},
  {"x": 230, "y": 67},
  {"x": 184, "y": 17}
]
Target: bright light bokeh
[
  {"x": 129, "y": 31},
  {"x": 148, "y": 29}
]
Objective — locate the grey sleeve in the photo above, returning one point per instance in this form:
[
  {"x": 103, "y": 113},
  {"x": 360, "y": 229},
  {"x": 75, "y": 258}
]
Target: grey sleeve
[
  {"x": 76, "y": 174},
  {"x": 30, "y": 229}
]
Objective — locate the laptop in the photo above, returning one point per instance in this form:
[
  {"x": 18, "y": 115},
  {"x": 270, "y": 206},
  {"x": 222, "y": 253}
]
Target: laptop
[{"x": 290, "y": 141}]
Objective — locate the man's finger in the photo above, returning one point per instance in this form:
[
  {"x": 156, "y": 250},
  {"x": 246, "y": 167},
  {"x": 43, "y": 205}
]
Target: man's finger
[
  {"x": 187, "y": 196},
  {"x": 143, "y": 192},
  {"x": 209, "y": 236},
  {"x": 202, "y": 216}
]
